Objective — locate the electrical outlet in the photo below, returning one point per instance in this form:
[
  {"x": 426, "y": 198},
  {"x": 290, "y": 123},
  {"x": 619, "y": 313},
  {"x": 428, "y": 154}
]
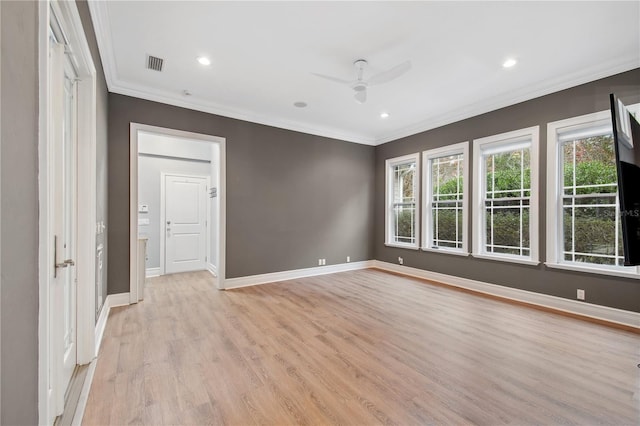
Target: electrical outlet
[
  {"x": 400, "y": 260},
  {"x": 348, "y": 259},
  {"x": 580, "y": 294},
  {"x": 324, "y": 262},
  {"x": 319, "y": 262}
]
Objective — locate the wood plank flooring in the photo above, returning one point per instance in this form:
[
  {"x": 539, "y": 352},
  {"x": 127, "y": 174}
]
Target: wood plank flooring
[{"x": 362, "y": 347}]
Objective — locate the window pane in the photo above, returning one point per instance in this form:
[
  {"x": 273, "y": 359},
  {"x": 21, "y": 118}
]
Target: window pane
[
  {"x": 508, "y": 174},
  {"x": 593, "y": 231},
  {"x": 446, "y": 178},
  {"x": 589, "y": 166},
  {"x": 447, "y": 225},
  {"x": 445, "y": 205},
  {"x": 404, "y": 203},
  {"x": 403, "y": 184},
  {"x": 404, "y": 219},
  {"x": 590, "y": 223},
  {"x": 507, "y": 197}
]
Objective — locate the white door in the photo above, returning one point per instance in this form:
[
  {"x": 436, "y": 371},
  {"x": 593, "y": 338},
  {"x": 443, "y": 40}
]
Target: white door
[
  {"x": 62, "y": 301},
  {"x": 185, "y": 206}
]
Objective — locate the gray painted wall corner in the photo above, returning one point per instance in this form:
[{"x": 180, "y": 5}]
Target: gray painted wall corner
[
  {"x": 19, "y": 205},
  {"x": 291, "y": 197},
  {"x": 603, "y": 290}
]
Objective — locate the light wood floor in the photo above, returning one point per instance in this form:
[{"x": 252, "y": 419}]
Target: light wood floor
[{"x": 363, "y": 347}]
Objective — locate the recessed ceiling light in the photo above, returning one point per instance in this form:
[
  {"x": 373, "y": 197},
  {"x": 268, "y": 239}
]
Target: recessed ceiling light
[
  {"x": 509, "y": 63},
  {"x": 204, "y": 60},
  {"x": 384, "y": 115},
  {"x": 300, "y": 104}
]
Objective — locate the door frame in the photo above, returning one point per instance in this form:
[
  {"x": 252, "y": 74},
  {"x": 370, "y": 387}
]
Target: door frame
[
  {"x": 68, "y": 17},
  {"x": 163, "y": 218},
  {"x": 134, "y": 130}
]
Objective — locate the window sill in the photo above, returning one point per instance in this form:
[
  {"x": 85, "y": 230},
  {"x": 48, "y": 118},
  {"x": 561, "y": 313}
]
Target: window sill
[
  {"x": 512, "y": 259},
  {"x": 445, "y": 251},
  {"x": 410, "y": 247},
  {"x": 594, "y": 270}
]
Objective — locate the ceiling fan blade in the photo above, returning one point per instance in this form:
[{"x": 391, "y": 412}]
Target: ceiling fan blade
[
  {"x": 393, "y": 73},
  {"x": 334, "y": 79},
  {"x": 361, "y": 96}
]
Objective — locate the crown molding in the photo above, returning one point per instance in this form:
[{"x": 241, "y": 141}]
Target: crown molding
[
  {"x": 100, "y": 17},
  {"x": 165, "y": 97},
  {"x": 515, "y": 97}
]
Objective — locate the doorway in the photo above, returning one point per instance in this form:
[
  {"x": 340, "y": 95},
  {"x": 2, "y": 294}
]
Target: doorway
[
  {"x": 67, "y": 204},
  {"x": 196, "y": 208}
]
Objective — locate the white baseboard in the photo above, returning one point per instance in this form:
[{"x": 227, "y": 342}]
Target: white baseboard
[
  {"x": 212, "y": 268},
  {"x": 112, "y": 300},
  {"x": 84, "y": 395},
  {"x": 296, "y": 273},
  {"x": 598, "y": 312},
  {"x": 152, "y": 272}
]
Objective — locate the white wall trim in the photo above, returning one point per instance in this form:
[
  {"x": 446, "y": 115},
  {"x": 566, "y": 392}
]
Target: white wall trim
[
  {"x": 598, "y": 312},
  {"x": 152, "y": 272},
  {"x": 296, "y": 273},
  {"x": 84, "y": 394},
  {"x": 212, "y": 268},
  {"x": 112, "y": 300}
]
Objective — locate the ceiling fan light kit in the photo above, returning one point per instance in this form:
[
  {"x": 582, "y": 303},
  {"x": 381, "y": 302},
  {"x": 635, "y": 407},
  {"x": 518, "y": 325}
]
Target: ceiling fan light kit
[{"x": 360, "y": 85}]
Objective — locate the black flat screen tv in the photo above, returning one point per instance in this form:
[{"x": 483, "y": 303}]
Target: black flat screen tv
[{"x": 626, "y": 136}]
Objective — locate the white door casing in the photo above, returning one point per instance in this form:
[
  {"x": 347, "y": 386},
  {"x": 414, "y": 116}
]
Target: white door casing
[
  {"x": 184, "y": 201},
  {"x": 220, "y": 178},
  {"x": 66, "y": 333}
]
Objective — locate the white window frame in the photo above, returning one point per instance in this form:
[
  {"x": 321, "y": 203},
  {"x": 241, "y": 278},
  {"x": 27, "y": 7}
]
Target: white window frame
[
  {"x": 555, "y": 232},
  {"x": 461, "y": 148},
  {"x": 389, "y": 165},
  {"x": 495, "y": 143}
]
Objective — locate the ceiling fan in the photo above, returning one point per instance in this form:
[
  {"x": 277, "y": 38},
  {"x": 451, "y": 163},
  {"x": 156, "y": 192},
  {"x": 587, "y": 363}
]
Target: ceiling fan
[{"x": 360, "y": 85}]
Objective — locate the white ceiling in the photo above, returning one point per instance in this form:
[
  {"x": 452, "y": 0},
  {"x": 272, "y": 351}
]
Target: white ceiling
[{"x": 264, "y": 53}]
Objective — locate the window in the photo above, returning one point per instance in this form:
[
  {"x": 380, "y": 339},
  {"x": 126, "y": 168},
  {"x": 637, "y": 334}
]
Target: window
[
  {"x": 584, "y": 230},
  {"x": 505, "y": 195},
  {"x": 402, "y": 204},
  {"x": 445, "y": 199}
]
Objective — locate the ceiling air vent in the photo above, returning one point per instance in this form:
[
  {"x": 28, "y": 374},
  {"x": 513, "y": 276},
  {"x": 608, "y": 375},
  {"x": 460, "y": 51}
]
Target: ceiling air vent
[{"x": 154, "y": 63}]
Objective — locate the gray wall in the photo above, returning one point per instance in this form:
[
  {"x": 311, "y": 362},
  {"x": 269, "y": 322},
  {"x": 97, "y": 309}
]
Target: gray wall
[
  {"x": 149, "y": 181},
  {"x": 102, "y": 109},
  {"x": 19, "y": 205},
  {"x": 291, "y": 197},
  {"x": 602, "y": 290}
]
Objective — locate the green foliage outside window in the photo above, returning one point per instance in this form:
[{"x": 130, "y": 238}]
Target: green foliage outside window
[{"x": 592, "y": 228}]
